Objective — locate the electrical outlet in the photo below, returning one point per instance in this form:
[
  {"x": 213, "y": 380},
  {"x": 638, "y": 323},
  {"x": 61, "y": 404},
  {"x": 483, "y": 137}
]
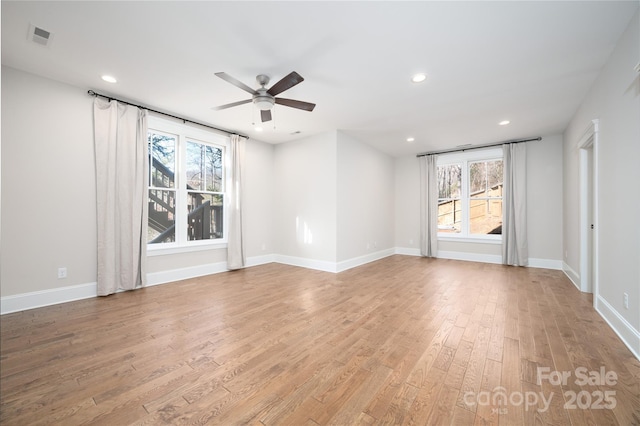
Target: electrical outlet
[
  {"x": 411, "y": 242},
  {"x": 625, "y": 300},
  {"x": 62, "y": 273}
]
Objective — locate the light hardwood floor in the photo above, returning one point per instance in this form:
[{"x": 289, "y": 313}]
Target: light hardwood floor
[{"x": 404, "y": 340}]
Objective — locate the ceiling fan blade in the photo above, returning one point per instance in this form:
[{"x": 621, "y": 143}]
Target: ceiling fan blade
[
  {"x": 265, "y": 114},
  {"x": 218, "y": 108},
  {"x": 226, "y": 77},
  {"x": 286, "y": 83},
  {"x": 296, "y": 104}
]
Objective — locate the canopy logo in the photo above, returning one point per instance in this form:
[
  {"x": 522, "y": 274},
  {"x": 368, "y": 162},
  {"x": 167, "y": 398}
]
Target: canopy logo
[{"x": 500, "y": 399}]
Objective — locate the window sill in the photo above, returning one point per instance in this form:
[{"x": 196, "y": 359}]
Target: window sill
[
  {"x": 162, "y": 251},
  {"x": 496, "y": 241}
]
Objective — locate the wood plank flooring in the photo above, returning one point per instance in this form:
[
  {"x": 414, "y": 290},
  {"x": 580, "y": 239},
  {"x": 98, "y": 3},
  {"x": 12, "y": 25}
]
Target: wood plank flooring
[{"x": 403, "y": 340}]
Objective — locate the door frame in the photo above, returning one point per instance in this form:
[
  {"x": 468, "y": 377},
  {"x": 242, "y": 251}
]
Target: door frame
[{"x": 589, "y": 207}]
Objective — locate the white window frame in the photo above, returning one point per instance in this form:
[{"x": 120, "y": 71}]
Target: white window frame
[
  {"x": 185, "y": 133},
  {"x": 463, "y": 159}
]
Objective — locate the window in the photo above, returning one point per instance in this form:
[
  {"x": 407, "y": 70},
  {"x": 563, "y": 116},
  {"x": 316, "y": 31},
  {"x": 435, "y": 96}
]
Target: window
[
  {"x": 470, "y": 194},
  {"x": 186, "y": 186}
]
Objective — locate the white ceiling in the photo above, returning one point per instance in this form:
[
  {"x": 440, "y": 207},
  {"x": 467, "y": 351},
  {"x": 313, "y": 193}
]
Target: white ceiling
[{"x": 528, "y": 62}]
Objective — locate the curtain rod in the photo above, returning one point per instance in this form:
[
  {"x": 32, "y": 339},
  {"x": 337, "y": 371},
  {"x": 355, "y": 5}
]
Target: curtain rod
[
  {"x": 184, "y": 120},
  {"x": 487, "y": 145}
]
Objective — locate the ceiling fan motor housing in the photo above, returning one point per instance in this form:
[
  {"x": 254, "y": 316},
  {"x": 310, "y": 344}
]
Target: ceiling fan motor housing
[{"x": 263, "y": 100}]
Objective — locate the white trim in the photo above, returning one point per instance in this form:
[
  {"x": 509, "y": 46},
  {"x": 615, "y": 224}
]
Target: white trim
[
  {"x": 260, "y": 260},
  {"x": 480, "y": 154},
  {"x": 362, "y": 260},
  {"x": 589, "y": 140},
  {"x": 464, "y": 158},
  {"x": 487, "y": 239},
  {"x": 471, "y": 257},
  {"x": 407, "y": 251},
  {"x": 184, "y": 133},
  {"x": 163, "y": 277},
  {"x": 571, "y": 274},
  {"x": 495, "y": 259},
  {"x": 319, "y": 265},
  {"x": 39, "y": 299},
  {"x": 625, "y": 331},
  {"x": 154, "y": 250},
  {"x": 545, "y": 263}
]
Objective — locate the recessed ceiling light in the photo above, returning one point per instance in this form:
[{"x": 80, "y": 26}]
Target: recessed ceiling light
[
  {"x": 258, "y": 129},
  {"x": 419, "y": 78},
  {"x": 109, "y": 79},
  {"x": 504, "y": 122},
  {"x": 411, "y": 139}
]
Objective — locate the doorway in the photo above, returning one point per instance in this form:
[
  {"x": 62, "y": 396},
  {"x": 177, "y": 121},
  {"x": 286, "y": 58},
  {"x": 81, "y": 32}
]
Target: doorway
[{"x": 588, "y": 155}]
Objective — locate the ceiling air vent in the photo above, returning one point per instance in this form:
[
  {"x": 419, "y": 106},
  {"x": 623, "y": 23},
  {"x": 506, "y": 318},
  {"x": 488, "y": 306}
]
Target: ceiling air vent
[{"x": 39, "y": 35}]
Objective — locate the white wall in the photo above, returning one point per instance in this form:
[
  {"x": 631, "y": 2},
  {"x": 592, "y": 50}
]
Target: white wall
[
  {"x": 305, "y": 201},
  {"x": 334, "y": 202},
  {"x": 48, "y": 184},
  {"x": 544, "y": 209},
  {"x": 48, "y": 192},
  {"x": 365, "y": 201},
  {"x": 407, "y": 204},
  {"x": 259, "y": 190},
  {"x": 545, "y": 198},
  {"x": 615, "y": 101}
]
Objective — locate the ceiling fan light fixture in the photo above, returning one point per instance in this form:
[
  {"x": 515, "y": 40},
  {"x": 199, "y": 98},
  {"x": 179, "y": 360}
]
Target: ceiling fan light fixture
[
  {"x": 504, "y": 122},
  {"x": 264, "y": 103}
]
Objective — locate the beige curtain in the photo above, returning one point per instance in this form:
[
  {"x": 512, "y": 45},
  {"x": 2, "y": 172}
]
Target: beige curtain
[
  {"x": 514, "y": 211},
  {"x": 121, "y": 182},
  {"x": 428, "y": 206},
  {"x": 236, "y": 258}
]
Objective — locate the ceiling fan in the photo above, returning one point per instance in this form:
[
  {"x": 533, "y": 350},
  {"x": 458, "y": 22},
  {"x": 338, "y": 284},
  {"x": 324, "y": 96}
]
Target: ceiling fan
[{"x": 265, "y": 99}]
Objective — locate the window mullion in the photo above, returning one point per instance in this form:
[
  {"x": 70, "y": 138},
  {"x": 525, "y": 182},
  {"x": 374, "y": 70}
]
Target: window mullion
[
  {"x": 181, "y": 207},
  {"x": 465, "y": 198}
]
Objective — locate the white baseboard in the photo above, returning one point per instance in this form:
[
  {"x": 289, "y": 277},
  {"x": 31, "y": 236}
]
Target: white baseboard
[
  {"x": 25, "y": 301},
  {"x": 335, "y": 267},
  {"x": 484, "y": 258},
  {"x": 470, "y": 257},
  {"x": 545, "y": 263},
  {"x": 362, "y": 260},
  {"x": 572, "y": 275},
  {"x": 303, "y": 262},
  {"x": 407, "y": 251},
  {"x": 260, "y": 260},
  {"x": 164, "y": 277},
  {"x": 39, "y": 299},
  {"x": 625, "y": 331},
  {"x": 21, "y": 302}
]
